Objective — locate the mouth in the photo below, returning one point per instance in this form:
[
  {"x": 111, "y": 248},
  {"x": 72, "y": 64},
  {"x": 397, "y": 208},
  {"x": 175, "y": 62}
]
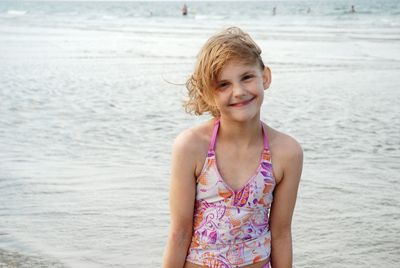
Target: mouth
[{"x": 242, "y": 103}]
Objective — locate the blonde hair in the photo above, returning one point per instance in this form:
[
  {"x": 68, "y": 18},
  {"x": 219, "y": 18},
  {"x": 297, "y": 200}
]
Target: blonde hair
[{"x": 227, "y": 45}]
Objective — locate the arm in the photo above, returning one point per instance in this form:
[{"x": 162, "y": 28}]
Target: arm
[
  {"x": 181, "y": 196},
  {"x": 283, "y": 205}
]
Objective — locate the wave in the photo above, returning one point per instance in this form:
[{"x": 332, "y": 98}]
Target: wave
[{"x": 14, "y": 12}]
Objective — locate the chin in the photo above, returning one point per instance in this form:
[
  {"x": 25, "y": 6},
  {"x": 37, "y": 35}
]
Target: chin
[{"x": 242, "y": 117}]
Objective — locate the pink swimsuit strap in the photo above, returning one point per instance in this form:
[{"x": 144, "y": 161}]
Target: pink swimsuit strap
[{"x": 217, "y": 124}]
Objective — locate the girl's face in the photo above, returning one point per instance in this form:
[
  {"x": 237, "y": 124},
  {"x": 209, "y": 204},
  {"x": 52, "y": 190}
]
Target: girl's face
[{"x": 240, "y": 89}]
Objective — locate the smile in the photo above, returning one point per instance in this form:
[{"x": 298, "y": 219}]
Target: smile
[{"x": 243, "y": 103}]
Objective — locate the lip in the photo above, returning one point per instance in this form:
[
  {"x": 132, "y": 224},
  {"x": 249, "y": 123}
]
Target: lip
[{"x": 243, "y": 103}]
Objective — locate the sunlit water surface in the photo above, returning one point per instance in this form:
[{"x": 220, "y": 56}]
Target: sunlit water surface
[{"x": 88, "y": 112}]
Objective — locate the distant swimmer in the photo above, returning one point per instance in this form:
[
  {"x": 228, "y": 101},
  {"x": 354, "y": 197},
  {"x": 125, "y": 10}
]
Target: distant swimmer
[
  {"x": 274, "y": 11},
  {"x": 184, "y": 10},
  {"x": 353, "y": 10}
]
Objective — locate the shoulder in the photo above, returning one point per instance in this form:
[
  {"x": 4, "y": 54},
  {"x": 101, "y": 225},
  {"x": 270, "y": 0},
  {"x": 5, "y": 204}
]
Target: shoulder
[
  {"x": 286, "y": 152},
  {"x": 192, "y": 144},
  {"x": 283, "y": 145},
  {"x": 193, "y": 139},
  {"x": 286, "y": 146}
]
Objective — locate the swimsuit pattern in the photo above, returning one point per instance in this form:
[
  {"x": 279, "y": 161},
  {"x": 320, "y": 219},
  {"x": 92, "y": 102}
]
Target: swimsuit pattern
[{"x": 231, "y": 228}]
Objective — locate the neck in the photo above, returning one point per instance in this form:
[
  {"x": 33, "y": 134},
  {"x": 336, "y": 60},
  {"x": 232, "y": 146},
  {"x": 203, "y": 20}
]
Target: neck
[{"x": 242, "y": 134}]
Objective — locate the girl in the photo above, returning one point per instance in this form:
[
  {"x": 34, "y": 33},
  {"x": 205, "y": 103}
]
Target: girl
[{"x": 234, "y": 179}]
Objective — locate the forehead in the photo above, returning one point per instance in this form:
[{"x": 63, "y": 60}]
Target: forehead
[{"x": 235, "y": 68}]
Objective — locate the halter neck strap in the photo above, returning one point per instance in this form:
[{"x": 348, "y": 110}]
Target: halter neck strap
[
  {"x": 214, "y": 136},
  {"x": 265, "y": 138}
]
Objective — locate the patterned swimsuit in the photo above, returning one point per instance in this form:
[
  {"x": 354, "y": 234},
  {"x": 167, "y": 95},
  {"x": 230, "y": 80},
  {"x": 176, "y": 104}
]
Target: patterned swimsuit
[{"x": 231, "y": 228}]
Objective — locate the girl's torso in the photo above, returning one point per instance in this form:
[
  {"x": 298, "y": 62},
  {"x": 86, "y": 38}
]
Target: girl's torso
[{"x": 231, "y": 218}]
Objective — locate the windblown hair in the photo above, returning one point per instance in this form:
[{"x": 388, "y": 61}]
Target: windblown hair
[{"x": 232, "y": 44}]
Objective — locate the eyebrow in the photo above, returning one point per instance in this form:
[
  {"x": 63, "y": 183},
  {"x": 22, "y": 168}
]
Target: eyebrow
[{"x": 243, "y": 74}]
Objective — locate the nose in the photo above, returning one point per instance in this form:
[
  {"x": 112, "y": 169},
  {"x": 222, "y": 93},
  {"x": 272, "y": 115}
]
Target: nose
[{"x": 238, "y": 90}]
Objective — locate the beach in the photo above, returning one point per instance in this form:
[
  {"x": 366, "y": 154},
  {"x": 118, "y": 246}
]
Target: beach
[{"x": 91, "y": 100}]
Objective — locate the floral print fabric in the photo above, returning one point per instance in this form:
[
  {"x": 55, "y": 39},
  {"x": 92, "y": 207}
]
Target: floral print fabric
[{"x": 230, "y": 228}]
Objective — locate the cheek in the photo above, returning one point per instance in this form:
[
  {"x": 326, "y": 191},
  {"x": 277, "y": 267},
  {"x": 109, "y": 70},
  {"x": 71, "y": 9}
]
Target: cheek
[
  {"x": 261, "y": 97},
  {"x": 255, "y": 87},
  {"x": 261, "y": 85},
  {"x": 221, "y": 97}
]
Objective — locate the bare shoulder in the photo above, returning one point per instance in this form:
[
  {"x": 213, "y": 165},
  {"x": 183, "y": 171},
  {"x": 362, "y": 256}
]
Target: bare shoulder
[
  {"x": 286, "y": 152},
  {"x": 193, "y": 144},
  {"x": 193, "y": 139},
  {"x": 284, "y": 144}
]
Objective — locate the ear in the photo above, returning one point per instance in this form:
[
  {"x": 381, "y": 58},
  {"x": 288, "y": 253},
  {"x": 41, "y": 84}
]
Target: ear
[{"x": 266, "y": 77}]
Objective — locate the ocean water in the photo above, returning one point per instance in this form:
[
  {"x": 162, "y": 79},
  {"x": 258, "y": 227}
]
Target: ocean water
[{"x": 90, "y": 102}]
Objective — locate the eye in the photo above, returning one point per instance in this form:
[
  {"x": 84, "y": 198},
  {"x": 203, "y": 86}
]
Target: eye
[
  {"x": 248, "y": 77},
  {"x": 222, "y": 85}
]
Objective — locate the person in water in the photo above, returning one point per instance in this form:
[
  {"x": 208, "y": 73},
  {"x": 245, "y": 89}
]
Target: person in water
[
  {"x": 234, "y": 179},
  {"x": 184, "y": 10}
]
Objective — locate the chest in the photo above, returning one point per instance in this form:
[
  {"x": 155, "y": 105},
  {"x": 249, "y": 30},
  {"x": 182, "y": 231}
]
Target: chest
[{"x": 238, "y": 167}]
